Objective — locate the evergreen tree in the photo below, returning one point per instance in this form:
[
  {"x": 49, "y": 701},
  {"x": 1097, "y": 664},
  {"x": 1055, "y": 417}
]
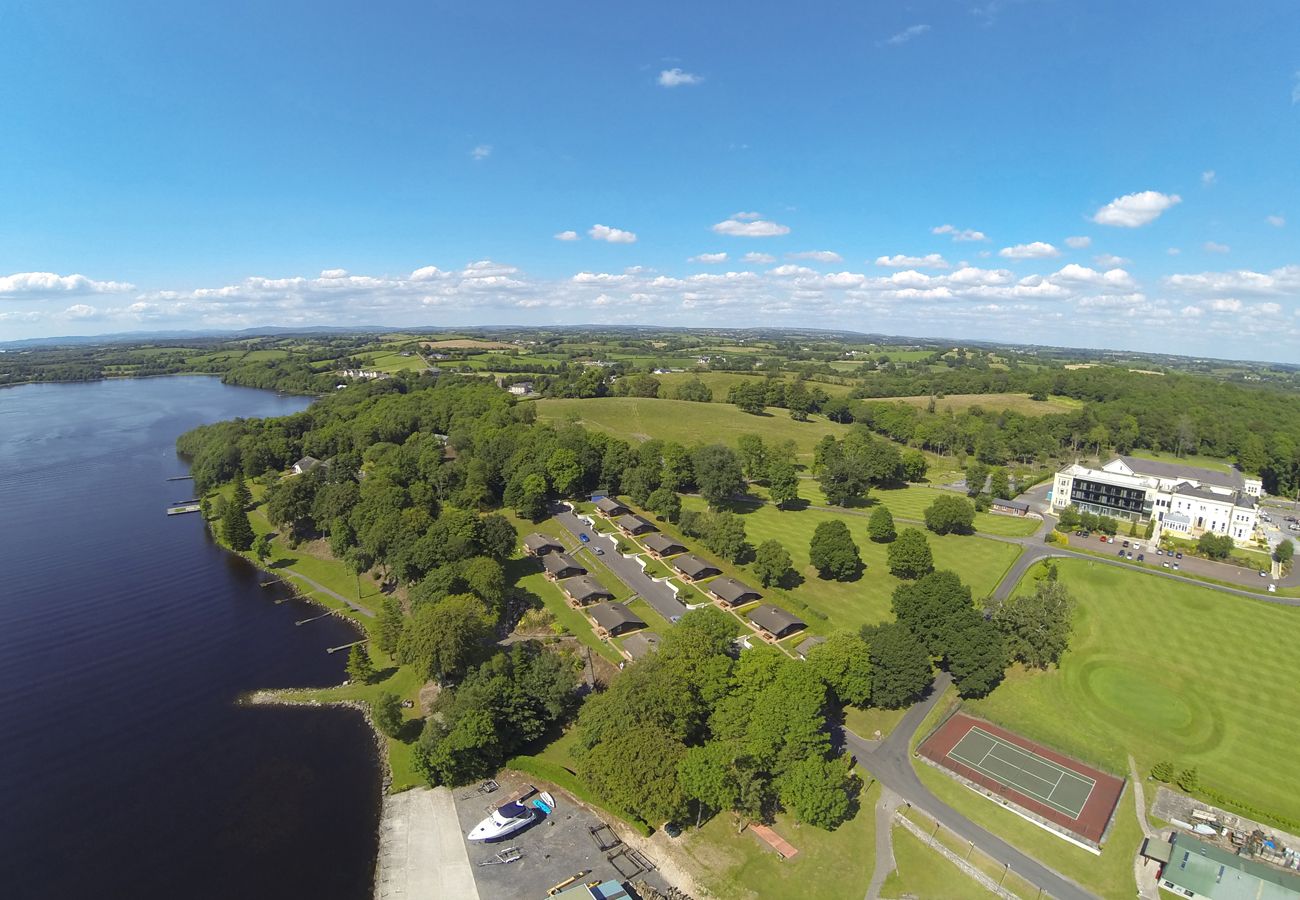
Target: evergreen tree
[
  {"x": 360, "y": 669},
  {"x": 235, "y": 527},
  {"x": 387, "y": 714},
  {"x": 262, "y": 548},
  {"x": 389, "y": 624}
]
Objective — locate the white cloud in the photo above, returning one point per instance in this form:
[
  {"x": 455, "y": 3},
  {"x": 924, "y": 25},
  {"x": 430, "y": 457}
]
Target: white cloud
[
  {"x": 760, "y": 258},
  {"x": 599, "y": 278},
  {"x": 1215, "y": 247},
  {"x": 750, "y": 227},
  {"x": 899, "y": 261},
  {"x": 611, "y": 235},
  {"x": 709, "y": 258},
  {"x": 746, "y": 216},
  {"x": 959, "y": 234},
  {"x": 1223, "y": 304},
  {"x": 1135, "y": 210},
  {"x": 1268, "y": 309},
  {"x": 334, "y": 273},
  {"x": 1208, "y": 177},
  {"x": 1284, "y": 282},
  {"x": 792, "y": 270},
  {"x": 671, "y": 78},
  {"x": 1078, "y": 243},
  {"x": 36, "y": 284},
  {"x": 428, "y": 273},
  {"x": 80, "y": 311},
  {"x": 825, "y": 256},
  {"x": 482, "y": 151},
  {"x": 1276, "y": 221},
  {"x": 567, "y": 236},
  {"x": 1174, "y": 251},
  {"x": 1034, "y": 250},
  {"x": 1072, "y": 272},
  {"x": 907, "y": 34},
  {"x": 1110, "y": 261}
]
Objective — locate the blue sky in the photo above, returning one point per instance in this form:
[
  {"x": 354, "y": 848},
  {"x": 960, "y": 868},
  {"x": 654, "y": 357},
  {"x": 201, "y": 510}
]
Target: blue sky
[{"x": 1111, "y": 173}]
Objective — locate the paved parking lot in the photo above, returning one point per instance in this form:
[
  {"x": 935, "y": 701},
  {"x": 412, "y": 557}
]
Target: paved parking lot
[
  {"x": 1188, "y": 565},
  {"x": 553, "y": 848}
]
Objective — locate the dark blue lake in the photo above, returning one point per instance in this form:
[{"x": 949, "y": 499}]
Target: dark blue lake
[{"x": 126, "y": 636}]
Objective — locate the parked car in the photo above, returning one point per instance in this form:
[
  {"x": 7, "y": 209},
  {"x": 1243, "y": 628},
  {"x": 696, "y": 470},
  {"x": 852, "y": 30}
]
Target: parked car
[
  {"x": 1130, "y": 554},
  {"x": 1178, "y": 556},
  {"x": 600, "y": 552},
  {"x": 1126, "y": 543},
  {"x": 1165, "y": 564},
  {"x": 1263, "y": 574},
  {"x": 585, "y": 538},
  {"x": 1272, "y": 588},
  {"x": 1175, "y": 565},
  {"x": 1142, "y": 557},
  {"x": 1121, "y": 554},
  {"x": 1159, "y": 552}
]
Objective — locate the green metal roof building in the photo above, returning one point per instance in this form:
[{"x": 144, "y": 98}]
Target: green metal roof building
[{"x": 1198, "y": 869}]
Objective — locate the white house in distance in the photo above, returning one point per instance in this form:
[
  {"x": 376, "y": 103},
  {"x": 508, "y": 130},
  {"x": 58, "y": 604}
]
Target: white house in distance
[{"x": 1184, "y": 500}]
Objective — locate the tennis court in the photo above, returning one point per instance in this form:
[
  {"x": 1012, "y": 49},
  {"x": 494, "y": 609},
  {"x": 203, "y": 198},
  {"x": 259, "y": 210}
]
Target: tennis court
[
  {"x": 1076, "y": 798},
  {"x": 1028, "y": 773}
]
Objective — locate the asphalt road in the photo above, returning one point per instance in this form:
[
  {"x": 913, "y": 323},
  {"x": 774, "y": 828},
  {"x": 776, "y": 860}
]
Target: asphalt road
[
  {"x": 890, "y": 763},
  {"x": 660, "y": 597}
]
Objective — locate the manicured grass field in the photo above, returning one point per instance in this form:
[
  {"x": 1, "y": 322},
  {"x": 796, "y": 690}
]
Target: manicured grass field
[
  {"x": 1169, "y": 671},
  {"x": 924, "y": 874},
  {"x": 721, "y": 382},
  {"x": 392, "y": 361},
  {"x": 1199, "y": 462},
  {"x": 639, "y": 419},
  {"x": 839, "y": 605},
  {"x": 910, "y": 503}
]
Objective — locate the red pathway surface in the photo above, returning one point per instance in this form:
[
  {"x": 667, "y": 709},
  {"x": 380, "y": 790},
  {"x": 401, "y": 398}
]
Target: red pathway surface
[
  {"x": 777, "y": 843},
  {"x": 1092, "y": 820}
]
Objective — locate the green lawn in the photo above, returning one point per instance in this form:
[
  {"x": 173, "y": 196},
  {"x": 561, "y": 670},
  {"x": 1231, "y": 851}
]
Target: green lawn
[
  {"x": 924, "y": 874},
  {"x": 866, "y": 722},
  {"x": 721, "y": 382},
  {"x": 829, "y": 865},
  {"x": 1169, "y": 671},
  {"x": 836, "y": 605},
  {"x": 639, "y": 419},
  {"x": 1013, "y": 402},
  {"x": 1200, "y": 462},
  {"x": 910, "y": 502}
]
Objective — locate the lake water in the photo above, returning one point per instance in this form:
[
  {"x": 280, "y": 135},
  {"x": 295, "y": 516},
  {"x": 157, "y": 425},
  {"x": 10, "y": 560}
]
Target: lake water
[{"x": 126, "y": 635}]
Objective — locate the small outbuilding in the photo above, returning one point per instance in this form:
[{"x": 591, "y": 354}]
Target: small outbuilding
[
  {"x": 691, "y": 568},
  {"x": 1010, "y": 507},
  {"x": 612, "y": 619},
  {"x": 661, "y": 545},
  {"x": 641, "y": 645},
  {"x": 609, "y": 507},
  {"x": 584, "y": 590},
  {"x": 561, "y": 565},
  {"x": 633, "y": 525},
  {"x": 806, "y": 646},
  {"x": 774, "y": 623},
  {"x": 730, "y": 592},
  {"x": 538, "y": 544}
]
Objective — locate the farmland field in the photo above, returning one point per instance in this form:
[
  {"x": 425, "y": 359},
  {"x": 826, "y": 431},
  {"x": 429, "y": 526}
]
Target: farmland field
[
  {"x": 1013, "y": 402},
  {"x": 721, "y": 382},
  {"x": 1169, "y": 671}
]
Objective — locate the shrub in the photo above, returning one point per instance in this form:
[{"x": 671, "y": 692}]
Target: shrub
[{"x": 1163, "y": 771}]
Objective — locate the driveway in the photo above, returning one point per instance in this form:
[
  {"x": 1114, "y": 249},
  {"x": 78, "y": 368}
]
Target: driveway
[
  {"x": 660, "y": 596},
  {"x": 890, "y": 763}
]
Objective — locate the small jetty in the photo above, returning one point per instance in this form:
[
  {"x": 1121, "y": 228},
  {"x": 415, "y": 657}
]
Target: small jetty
[
  {"x": 182, "y": 509},
  {"x": 345, "y": 646},
  {"x": 181, "y": 478}
]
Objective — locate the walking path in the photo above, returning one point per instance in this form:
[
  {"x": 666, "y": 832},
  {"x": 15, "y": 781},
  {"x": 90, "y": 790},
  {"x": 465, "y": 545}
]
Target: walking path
[
  {"x": 885, "y": 808},
  {"x": 421, "y": 851},
  {"x": 317, "y": 586},
  {"x": 1148, "y": 889}
]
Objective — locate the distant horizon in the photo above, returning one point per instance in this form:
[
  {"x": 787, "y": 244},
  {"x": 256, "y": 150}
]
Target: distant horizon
[
  {"x": 1015, "y": 170},
  {"x": 269, "y": 330}
]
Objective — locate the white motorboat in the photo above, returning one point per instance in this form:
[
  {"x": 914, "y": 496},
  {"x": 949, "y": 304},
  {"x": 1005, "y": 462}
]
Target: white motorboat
[{"x": 505, "y": 819}]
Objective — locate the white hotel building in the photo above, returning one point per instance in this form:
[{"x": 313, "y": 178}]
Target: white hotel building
[{"x": 1183, "y": 500}]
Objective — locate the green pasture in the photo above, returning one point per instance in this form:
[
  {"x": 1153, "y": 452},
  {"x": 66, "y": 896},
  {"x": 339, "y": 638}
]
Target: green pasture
[
  {"x": 1199, "y": 462},
  {"x": 1169, "y": 671},
  {"x": 722, "y": 382},
  {"x": 910, "y": 502},
  {"x": 922, "y": 873}
]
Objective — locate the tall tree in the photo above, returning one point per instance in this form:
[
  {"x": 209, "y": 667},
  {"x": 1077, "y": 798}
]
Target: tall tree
[
  {"x": 386, "y": 712},
  {"x": 820, "y": 791},
  {"x": 832, "y": 551},
  {"x": 717, "y": 474},
  {"x": 771, "y": 562},
  {"x": 782, "y": 482},
  {"x": 900, "y": 665},
  {"x": 360, "y": 669},
  {"x": 1037, "y": 625},
  {"x": 389, "y": 624},
  {"x": 235, "y": 527},
  {"x": 909, "y": 556},
  {"x": 443, "y": 638},
  {"x": 950, "y": 514},
  {"x": 843, "y": 661},
  {"x": 880, "y": 526}
]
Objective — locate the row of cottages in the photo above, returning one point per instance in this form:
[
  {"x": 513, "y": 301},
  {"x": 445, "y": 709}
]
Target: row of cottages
[
  {"x": 633, "y": 525},
  {"x": 583, "y": 590},
  {"x": 612, "y": 619},
  {"x": 610, "y": 508},
  {"x": 774, "y": 623},
  {"x": 562, "y": 565},
  {"x": 730, "y": 593},
  {"x": 661, "y": 545},
  {"x": 692, "y": 569},
  {"x": 538, "y": 544}
]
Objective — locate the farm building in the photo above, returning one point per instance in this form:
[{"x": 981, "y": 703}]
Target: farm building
[
  {"x": 661, "y": 545},
  {"x": 692, "y": 568},
  {"x": 561, "y": 565},
  {"x": 634, "y": 525},
  {"x": 609, "y": 507},
  {"x": 306, "y": 464},
  {"x": 774, "y": 623},
  {"x": 583, "y": 590},
  {"x": 730, "y": 592},
  {"x": 1198, "y": 869},
  {"x": 612, "y": 619},
  {"x": 1011, "y": 507},
  {"x": 538, "y": 544}
]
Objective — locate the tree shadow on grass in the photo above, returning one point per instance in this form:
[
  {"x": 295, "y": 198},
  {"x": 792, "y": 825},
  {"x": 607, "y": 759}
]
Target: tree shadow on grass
[
  {"x": 409, "y": 733},
  {"x": 382, "y": 675},
  {"x": 284, "y": 563},
  {"x": 791, "y": 580}
]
